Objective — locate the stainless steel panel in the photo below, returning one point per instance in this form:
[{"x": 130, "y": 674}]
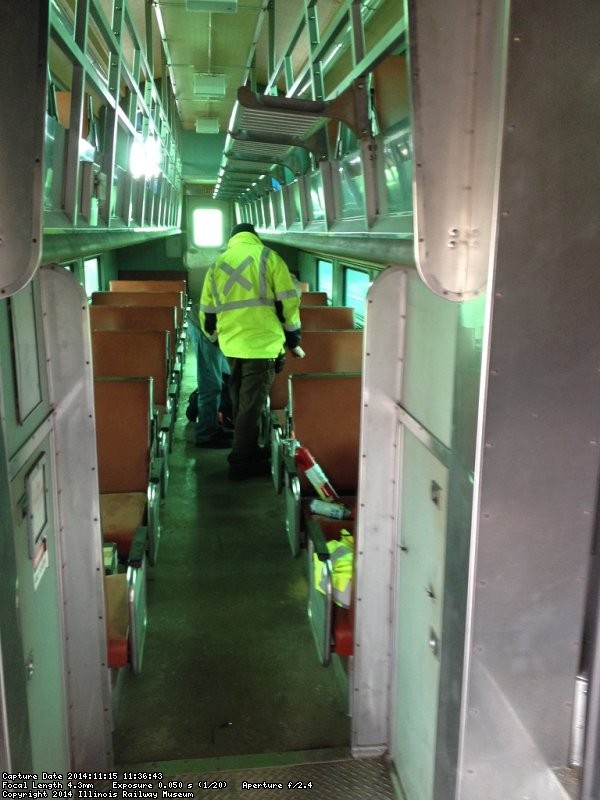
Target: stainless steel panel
[
  {"x": 15, "y": 746},
  {"x": 379, "y": 250},
  {"x": 28, "y": 383},
  {"x": 38, "y": 556},
  {"x": 23, "y": 49},
  {"x": 505, "y": 761},
  {"x": 4, "y": 737},
  {"x": 23, "y": 375},
  {"x": 377, "y": 503},
  {"x": 429, "y": 370},
  {"x": 420, "y": 568},
  {"x": 536, "y": 480},
  {"x": 591, "y": 744},
  {"x": 456, "y": 55},
  {"x": 66, "y": 322},
  {"x": 445, "y": 359},
  {"x": 577, "y": 740},
  {"x": 460, "y": 462}
]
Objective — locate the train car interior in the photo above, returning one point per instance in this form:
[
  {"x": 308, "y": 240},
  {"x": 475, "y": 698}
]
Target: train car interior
[{"x": 426, "y": 171}]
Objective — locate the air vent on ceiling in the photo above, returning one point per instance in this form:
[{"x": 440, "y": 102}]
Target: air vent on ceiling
[
  {"x": 207, "y": 85},
  {"x": 217, "y": 6},
  {"x": 207, "y": 125}
]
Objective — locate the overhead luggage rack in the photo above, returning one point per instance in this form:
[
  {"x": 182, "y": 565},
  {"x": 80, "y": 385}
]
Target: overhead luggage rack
[
  {"x": 270, "y": 128},
  {"x": 246, "y": 162},
  {"x": 281, "y": 121},
  {"x": 239, "y": 172}
]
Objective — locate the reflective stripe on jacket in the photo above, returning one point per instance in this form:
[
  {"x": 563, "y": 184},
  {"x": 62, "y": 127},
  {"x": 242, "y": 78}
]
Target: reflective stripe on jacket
[
  {"x": 341, "y": 557},
  {"x": 241, "y": 289}
]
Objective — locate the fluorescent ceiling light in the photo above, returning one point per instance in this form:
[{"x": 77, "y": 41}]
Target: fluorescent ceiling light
[
  {"x": 207, "y": 125},
  {"x": 208, "y": 85}
]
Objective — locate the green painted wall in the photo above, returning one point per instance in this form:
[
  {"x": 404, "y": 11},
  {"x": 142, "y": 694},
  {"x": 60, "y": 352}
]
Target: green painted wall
[
  {"x": 156, "y": 255},
  {"x": 201, "y": 155}
]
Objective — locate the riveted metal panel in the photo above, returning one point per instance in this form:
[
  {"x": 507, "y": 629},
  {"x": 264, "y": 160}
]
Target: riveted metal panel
[
  {"x": 15, "y": 747},
  {"x": 38, "y": 595},
  {"x": 456, "y": 55},
  {"x": 536, "y": 480},
  {"x": 23, "y": 49},
  {"x": 431, "y": 334},
  {"x": 23, "y": 366},
  {"x": 420, "y": 558},
  {"x": 66, "y": 321},
  {"x": 378, "y": 499}
]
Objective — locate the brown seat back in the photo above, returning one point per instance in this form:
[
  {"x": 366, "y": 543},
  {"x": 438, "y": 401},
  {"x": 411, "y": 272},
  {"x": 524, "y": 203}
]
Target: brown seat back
[
  {"x": 123, "y": 407},
  {"x": 126, "y": 285},
  {"x": 133, "y": 354},
  {"x": 326, "y": 419},
  {"x": 136, "y": 318},
  {"x": 326, "y": 351},
  {"x": 141, "y": 299},
  {"x": 309, "y": 299},
  {"x": 326, "y": 318}
]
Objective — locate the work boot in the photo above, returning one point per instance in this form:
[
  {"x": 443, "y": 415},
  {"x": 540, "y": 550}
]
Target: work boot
[
  {"x": 225, "y": 422},
  {"x": 255, "y": 469},
  {"x": 219, "y": 440},
  {"x": 191, "y": 411}
]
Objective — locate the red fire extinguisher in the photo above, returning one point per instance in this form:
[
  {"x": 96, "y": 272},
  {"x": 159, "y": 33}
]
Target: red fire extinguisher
[{"x": 305, "y": 461}]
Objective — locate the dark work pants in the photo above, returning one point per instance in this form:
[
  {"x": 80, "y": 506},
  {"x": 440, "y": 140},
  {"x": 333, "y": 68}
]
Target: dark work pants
[{"x": 249, "y": 385}]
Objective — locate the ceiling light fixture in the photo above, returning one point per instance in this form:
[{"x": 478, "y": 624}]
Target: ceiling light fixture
[
  {"x": 207, "y": 125},
  {"x": 207, "y": 85}
]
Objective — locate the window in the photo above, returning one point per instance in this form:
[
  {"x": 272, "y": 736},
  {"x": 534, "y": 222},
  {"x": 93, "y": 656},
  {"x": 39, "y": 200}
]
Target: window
[
  {"x": 91, "y": 276},
  {"x": 325, "y": 278},
  {"x": 207, "y": 227},
  {"x": 356, "y": 286}
]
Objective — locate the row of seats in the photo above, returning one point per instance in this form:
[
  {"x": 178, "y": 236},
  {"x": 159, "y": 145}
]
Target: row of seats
[
  {"x": 138, "y": 348},
  {"x": 316, "y": 402}
]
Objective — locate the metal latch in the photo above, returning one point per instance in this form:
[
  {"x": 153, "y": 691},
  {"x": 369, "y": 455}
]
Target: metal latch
[
  {"x": 434, "y": 643},
  {"x": 29, "y": 666}
]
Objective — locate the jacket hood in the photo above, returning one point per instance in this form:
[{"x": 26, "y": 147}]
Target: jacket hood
[{"x": 244, "y": 236}]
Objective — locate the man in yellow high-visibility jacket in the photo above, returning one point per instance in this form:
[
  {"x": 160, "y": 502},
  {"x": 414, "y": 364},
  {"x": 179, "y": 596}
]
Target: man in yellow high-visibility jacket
[{"x": 250, "y": 305}]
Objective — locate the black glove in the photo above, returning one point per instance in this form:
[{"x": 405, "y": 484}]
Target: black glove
[{"x": 292, "y": 339}]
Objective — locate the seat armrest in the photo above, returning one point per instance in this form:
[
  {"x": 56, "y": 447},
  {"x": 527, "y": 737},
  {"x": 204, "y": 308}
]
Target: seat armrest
[
  {"x": 293, "y": 513},
  {"x": 320, "y": 603},
  {"x": 275, "y": 423},
  {"x": 276, "y": 446},
  {"x": 156, "y": 470},
  {"x": 137, "y": 615},
  {"x": 289, "y": 462},
  {"x": 166, "y": 422},
  {"x": 317, "y": 537},
  {"x": 137, "y": 551},
  {"x": 159, "y": 473},
  {"x": 153, "y": 521}
]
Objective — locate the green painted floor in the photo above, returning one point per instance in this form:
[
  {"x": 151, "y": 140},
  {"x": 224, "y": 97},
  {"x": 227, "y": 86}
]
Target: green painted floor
[{"x": 230, "y": 667}]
